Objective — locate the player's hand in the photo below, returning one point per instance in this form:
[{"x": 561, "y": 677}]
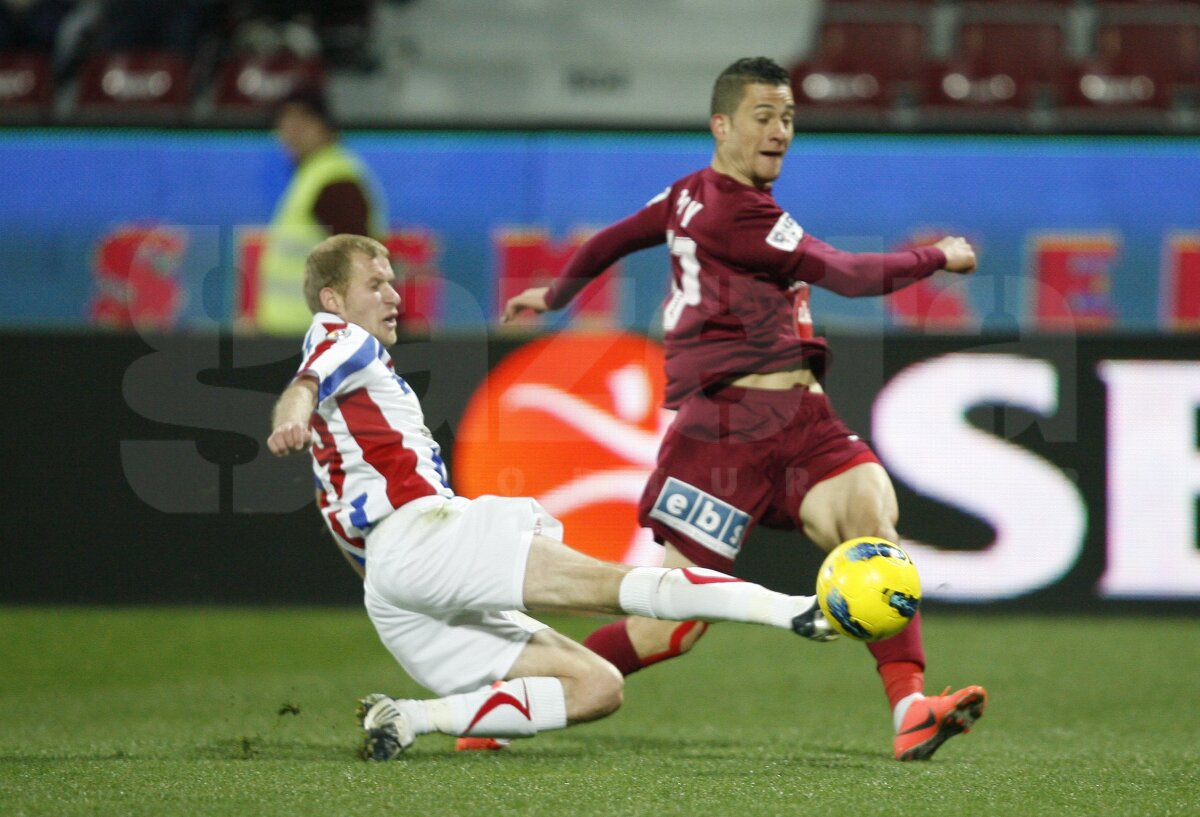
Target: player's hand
[
  {"x": 289, "y": 437},
  {"x": 533, "y": 299},
  {"x": 960, "y": 256}
]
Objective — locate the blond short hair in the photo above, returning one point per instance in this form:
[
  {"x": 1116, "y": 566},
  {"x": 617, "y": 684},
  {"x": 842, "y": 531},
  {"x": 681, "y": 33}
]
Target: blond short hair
[{"x": 328, "y": 265}]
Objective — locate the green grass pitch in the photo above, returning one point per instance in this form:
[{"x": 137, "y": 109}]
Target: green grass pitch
[{"x": 217, "y": 711}]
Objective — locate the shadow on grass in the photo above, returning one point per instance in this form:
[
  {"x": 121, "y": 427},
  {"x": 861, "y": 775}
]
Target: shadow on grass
[
  {"x": 650, "y": 750},
  {"x": 619, "y": 750}
]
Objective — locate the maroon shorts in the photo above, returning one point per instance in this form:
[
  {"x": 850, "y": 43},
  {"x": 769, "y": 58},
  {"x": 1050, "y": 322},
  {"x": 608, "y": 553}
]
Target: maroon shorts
[{"x": 738, "y": 458}]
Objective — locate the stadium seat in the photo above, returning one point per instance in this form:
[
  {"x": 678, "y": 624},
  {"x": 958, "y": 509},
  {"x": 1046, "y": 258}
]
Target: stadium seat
[
  {"x": 1002, "y": 65},
  {"x": 1141, "y": 65},
  {"x": 26, "y": 87},
  {"x": 248, "y": 88},
  {"x": 873, "y": 64},
  {"x": 134, "y": 87}
]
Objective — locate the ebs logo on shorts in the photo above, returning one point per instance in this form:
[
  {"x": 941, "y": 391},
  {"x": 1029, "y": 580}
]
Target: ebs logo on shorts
[{"x": 709, "y": 521}]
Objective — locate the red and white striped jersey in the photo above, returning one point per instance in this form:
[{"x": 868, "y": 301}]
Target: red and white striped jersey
[{"x": 371, "y": 450}]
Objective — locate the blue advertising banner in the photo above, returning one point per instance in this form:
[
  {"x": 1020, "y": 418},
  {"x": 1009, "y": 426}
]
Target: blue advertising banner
[{"x": 1074, "y": 233}]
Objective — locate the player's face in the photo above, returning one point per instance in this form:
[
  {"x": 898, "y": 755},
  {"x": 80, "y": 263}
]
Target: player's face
[
  {"x": 370, "y": 299},
  {"x": 751, "y": 143}
]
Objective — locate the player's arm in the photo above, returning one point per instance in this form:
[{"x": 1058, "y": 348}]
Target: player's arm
[
  {"x": 289, "y": 421},
  {"x": 858, "y": 274},
  {"x": 645, "y": 228}
]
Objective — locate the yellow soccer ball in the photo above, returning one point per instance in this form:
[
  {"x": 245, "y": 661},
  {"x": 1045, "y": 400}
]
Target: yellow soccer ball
[{"x": 868, "y": 588}]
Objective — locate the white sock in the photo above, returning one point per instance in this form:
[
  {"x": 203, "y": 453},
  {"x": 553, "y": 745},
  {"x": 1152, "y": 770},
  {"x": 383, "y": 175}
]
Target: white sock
[
  {"x": 681, "y": 594},
  {"x": 902, "y": 709},
  {"x": 513, "y": 709}
]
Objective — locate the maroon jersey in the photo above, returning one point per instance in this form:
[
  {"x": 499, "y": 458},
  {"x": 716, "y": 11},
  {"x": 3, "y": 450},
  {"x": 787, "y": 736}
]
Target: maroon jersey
[{"x": 737, "y": 263}]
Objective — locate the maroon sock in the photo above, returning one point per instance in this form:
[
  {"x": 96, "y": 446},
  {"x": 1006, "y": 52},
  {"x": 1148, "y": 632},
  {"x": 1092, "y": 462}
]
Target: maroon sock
[
  {"x": 900, "y": 661},
  {"x": 612, "y": 642}
]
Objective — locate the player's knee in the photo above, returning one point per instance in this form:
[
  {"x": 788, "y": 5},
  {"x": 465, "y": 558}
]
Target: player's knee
[
  {"x": 595, "y": 694},
  {"x": 863, "y": 518},
  {"x": 609, "y": 690},
  {"x": 826, "y": 536},
  {"x": 869, "y": 524}
]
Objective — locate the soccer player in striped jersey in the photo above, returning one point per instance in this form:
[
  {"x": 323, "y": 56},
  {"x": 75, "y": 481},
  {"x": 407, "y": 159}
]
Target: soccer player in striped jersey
[
  {"x": 446, "y": 580},
  {"x": 744, "y": 374}
]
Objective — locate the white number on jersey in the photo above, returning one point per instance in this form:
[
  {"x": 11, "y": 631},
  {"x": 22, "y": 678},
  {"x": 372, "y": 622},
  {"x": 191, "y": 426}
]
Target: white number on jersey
[{"x": 685, "y": 292}]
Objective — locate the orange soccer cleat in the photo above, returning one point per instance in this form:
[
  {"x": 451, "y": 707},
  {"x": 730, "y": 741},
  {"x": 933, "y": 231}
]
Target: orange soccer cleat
[
  {"x": 931, "y": 720},
  {"x": 480, "y": 744}
]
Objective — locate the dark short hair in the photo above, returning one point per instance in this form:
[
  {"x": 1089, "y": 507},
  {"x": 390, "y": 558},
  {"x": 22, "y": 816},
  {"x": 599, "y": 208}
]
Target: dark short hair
[
  {"x": 328, "y": 265},
  {"x": 727, "y": 90},
  {"x": 312, "y": 99}
]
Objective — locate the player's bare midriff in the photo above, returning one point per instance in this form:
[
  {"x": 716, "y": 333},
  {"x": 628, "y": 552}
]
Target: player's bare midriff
[{"x": 784, "y": 380}]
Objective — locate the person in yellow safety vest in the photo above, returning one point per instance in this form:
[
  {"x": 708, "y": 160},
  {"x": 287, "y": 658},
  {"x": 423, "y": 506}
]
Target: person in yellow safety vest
[{"x": 331, "y": 192}]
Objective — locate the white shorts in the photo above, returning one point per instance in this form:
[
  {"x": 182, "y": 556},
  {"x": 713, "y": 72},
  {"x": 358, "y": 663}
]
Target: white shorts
[{"x": 444, "y": 582}]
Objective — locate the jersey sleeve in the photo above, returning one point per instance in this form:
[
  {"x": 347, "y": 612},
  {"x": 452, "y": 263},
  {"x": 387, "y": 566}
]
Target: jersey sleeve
[
  {"x": 768, "y": 238},
  {"x": 645, "y": 228},
  {"x": 864, "y": 273},
  {"x": 346, "y": 360}
]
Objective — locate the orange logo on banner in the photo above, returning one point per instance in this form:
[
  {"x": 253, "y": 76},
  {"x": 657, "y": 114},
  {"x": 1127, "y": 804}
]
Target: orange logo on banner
[{"x": 573, "y": 420}]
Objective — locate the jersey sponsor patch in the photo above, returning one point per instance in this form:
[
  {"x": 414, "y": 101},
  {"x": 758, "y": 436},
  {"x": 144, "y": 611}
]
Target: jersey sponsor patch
[
  {"x": 786, "y": 234},
  {"x": 702, "y": 517}
]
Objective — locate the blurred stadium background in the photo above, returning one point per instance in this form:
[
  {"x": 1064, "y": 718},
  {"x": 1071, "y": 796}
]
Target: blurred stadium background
[{"x": 141, "y": 172}]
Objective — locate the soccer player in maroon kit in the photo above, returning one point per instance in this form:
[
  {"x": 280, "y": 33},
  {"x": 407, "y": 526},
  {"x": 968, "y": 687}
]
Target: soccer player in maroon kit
[{"x": 755, "y": 440}]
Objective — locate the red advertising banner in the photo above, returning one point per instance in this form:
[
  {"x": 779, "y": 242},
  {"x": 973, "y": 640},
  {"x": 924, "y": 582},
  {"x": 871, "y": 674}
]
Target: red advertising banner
[
  {"x": 1072, "y": 280},
  {"x": 1180, "y": 286},
  {"x": 528, "y": 257},
  {"x": 135, "y": 271}
]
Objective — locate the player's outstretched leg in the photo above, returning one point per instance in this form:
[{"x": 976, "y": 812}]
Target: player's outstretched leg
[
  {"x": 689, "y": 593},
  {"x": 684, "y": 593},
  {"x": 634, "y": 643},
  {"x": 930, "y": 720},
  {"x": 558, "y": 578}
]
